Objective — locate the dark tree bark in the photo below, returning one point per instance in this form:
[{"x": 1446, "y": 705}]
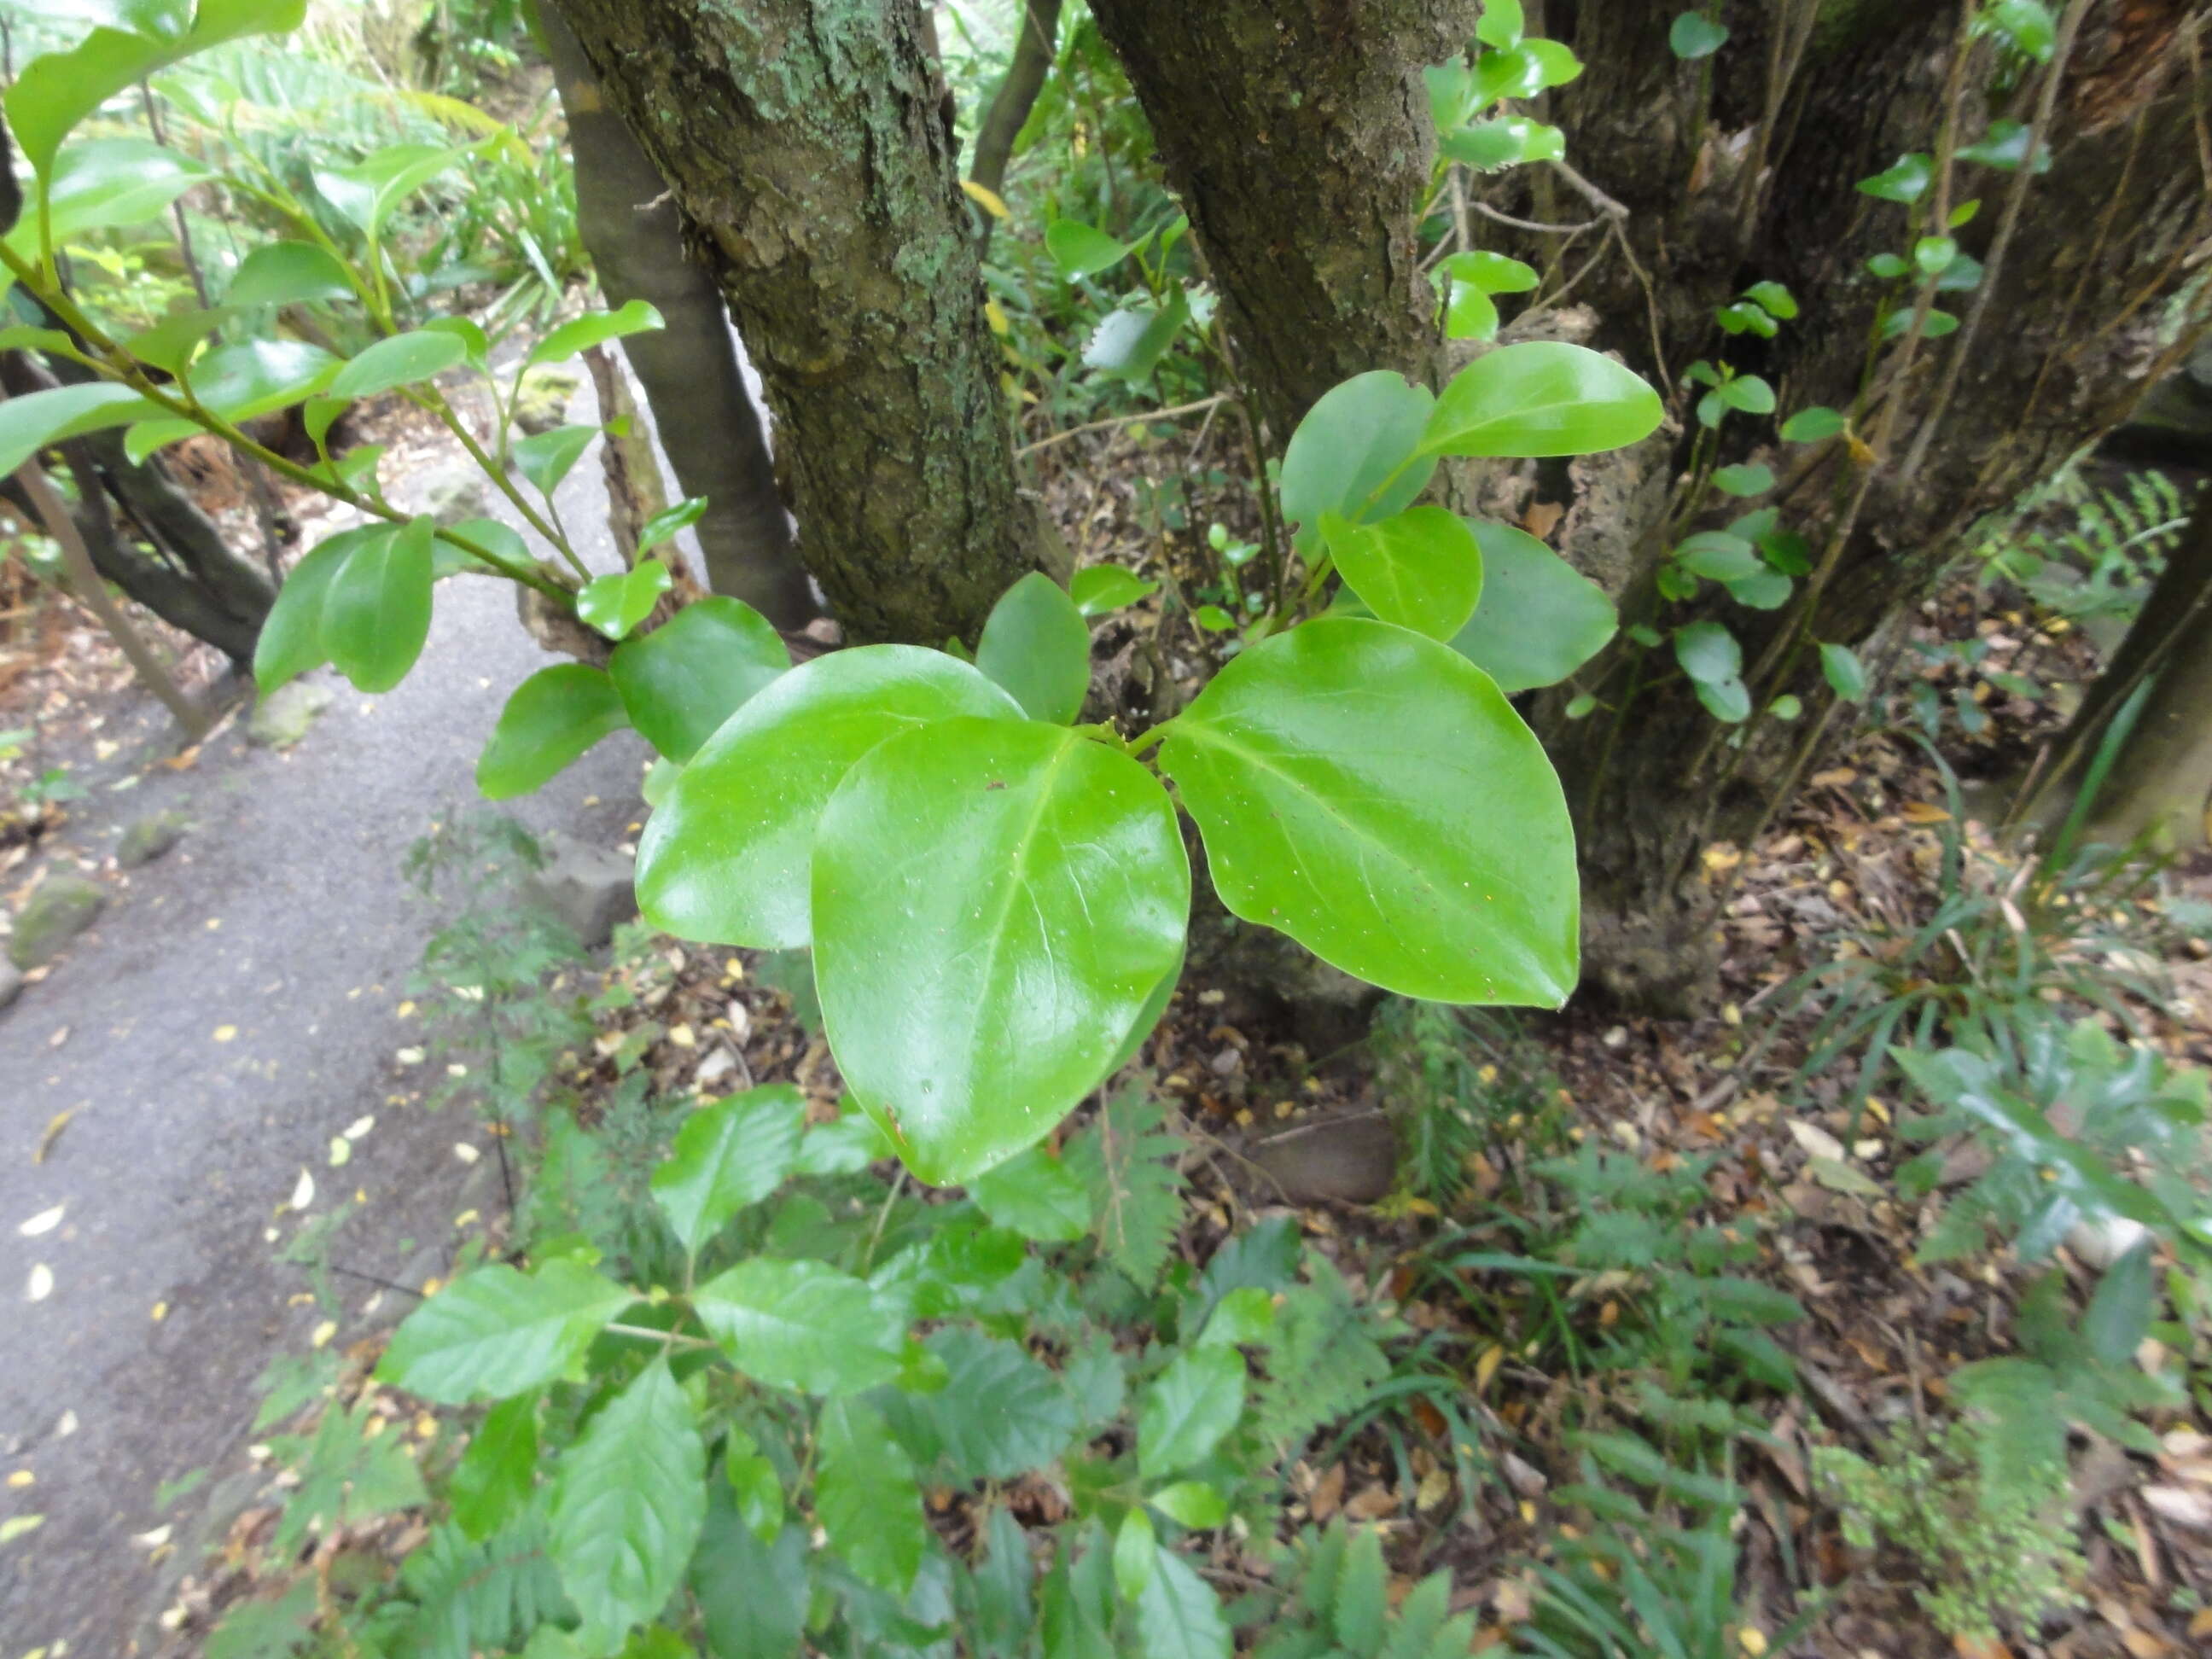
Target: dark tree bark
[
  {"x": 804, "y": 143},
  {"x": 2091, "y": 302},
  {"x": 702, "y": 414},
  {"x": 1299, "y": 139}
]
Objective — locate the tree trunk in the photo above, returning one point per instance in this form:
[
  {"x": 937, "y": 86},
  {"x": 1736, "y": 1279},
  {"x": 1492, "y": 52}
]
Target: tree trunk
[
  {"x": 1299, "y": 139},
  {"x": 1036, "y": 38},
  {"x": 2089, "y": 303},
  {"x": 704, "y": 417},
  {"x": 2161, "y": 777},
  {"x": 804, "y": 143}
]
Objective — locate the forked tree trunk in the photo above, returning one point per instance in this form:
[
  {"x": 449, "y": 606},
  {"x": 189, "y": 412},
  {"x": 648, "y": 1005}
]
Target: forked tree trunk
[
  {"x": 1299, "y": 139},
  {"x": 703, "y": 415},
  {"x": 804, "y": 141}
]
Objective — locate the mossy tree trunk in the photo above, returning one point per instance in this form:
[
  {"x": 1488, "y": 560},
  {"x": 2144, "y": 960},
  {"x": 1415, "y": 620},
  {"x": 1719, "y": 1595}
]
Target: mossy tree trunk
[
  {"x": 804, "y": 141},
  {"x": 2091, "y": 302},
  {"x": 1299, "y": 139},
  {"x": 702, "y": 414}
]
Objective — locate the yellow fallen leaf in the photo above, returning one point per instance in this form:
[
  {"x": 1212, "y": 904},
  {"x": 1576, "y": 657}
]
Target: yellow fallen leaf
[
  {"x": 341, "y": 1150},
  {"x": 22, "y": 1478},
  {"x": 303, "y": 1191},
  {"x": 324, "y": 1332},
  {"x": 44, "y": 1222},
  {"x": 987, "y": 198},
  {"x": 215, "y": 924},
  {"x": 1923, "y": 811},
  {"x": 42, "y": 1283},
  {"x": 405, "y": 1009},
  {"x": 683, "y": 1036},
  {"x": 16, "y": 1525},
  {"x": 1487, "y": 1367},
  {"x": 1754, "y": 1640},
  {"x": 55, "y": 1125},
  {"x": 466, "y": 1152},
  {"x": 358, "y": 1128},
  {"x": 225, "y": 1033},
  {"x": 161, "y": 1311}
]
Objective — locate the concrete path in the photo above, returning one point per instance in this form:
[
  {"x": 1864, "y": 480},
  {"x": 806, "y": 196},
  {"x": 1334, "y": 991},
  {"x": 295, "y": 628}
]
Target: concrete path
[{"x": 282, "y": 913}]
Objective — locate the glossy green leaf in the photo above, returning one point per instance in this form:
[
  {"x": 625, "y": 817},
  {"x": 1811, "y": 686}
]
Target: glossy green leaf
[
  {"x": 1178, "y": 1614},
  {"x": 729, "y": 856},
  {"x": 1500, "y": 24},
  {"x": 628, "y": 1499},
  {"x": 1036, "y": 1194},
  {"x": 546, "y": 457},
  {"x": 668, "y": 521},
  {"x": 1718, "y": 556},
  {"x": 1521, "y": 71},
  {"x": 291, "y": 639},
  {"x": 730, "y": 1153},
  {"x": 683, "y": 679},
  {"x": 994, "y": 901},
  {"x": 30, "y": 423},
  {"x": 377, "y": 613},
  {"x": 1775, "y": 297},
  {"x": 1905, "y": 183},
  {"x": 802, "y": 1326},
  {"x": 1079, "y": 250},
  {"x": 1726, "y": 700},
  {"x": 1846, "y": 677},
  {"x": 1136, "y": 1554},
  {"x": 1356, "y": 453},
  {"x": 2005, "y": 145},
  {"x": 593, "y": 328},
  {"x": 845, "y": 1144},
  {"x": 1191, "y": 1504},
  {"x": 105, "y": 183},
  {"x": 491, "y": 535},
  {"x": 1764, "y": 589},
  {"x": 170, "y": 344},
  {"x": 1037, "y": 645},
  {"x": 552, "y": 718},
  {"x": 1421, "y": 569},
  {"x": 616, "y": 604},
  {"x": 241, "y": 382},
  {"x": 496, "y": 1332},
  {"x": 1749, "y": 393},
  {"x": 287, "y": 273},
  {"x": 1811, "y": 425},
  {"x": 2026, "y": 26},
  {"x": 1708, "y": 651},
  {"x": 1539, "y": 618},
  {"x": 367, "y": 191},
  {"x": 1507, "y": 140},
  {"x": 1935, "y": 254},
  {"x": 1470, "y": 314},
  {"x": 866, "y": 1498},
  {"x": 1695, "y": 35},
  {"x": 1748, "y": 479},
  {"x": 1190, "y": 1406},
  {"x": 1492, "y": 273},
  {"x": 1130, "y": 342},
  {"x": 493, "y": 1482},
  {"x": 57, "y": 90},
  {"x": 1539, "y": 398},
  {"x": 1372, "y": 794},
  {"x": 401, "y": 360},
  {"x": 1099, "y": 588}
]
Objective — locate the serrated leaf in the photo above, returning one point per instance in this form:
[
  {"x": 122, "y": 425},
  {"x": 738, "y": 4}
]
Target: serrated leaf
[
  {"x": 1363, "y": 1593},
  {"x": 497, "y": 1331},
  {"x": 802, "y": 1326},
  {"x": 1191, "y": 1504},
  {"x": 1136, "y": 1554},
  {"x": 1188, "y": 1408},
  {"x": 492, "y": 1484},
  {"x": 1001, "y": 1414},
  {"x": 729, "y": 1154},
  {"x": 866, "y": 1498},
  {"x": 628, "y": 1499},
  {"x": 1037, "y": 1195},
  {"x": 1178, "y": 1614}
]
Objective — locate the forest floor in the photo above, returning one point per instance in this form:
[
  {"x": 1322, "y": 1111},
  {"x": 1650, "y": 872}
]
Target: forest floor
[
  {"x": 241, "y": 1010},
  {"x": 186, "y": 1076}
]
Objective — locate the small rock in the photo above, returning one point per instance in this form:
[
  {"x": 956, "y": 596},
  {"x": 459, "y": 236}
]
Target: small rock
[
  {"x": 149, "y": 837},
  {"x": 457, "y": 494},
  {"x": 2101, "y": 1241},
  {"x": 541, "y": 402},
  {"x": 62, "y": 907},
  {"x": 11, "y": 983},
  {"x": 590, "y": 889},
  {"x": 282, "y": 718},
  {"x": 1351, "y": 1159}
]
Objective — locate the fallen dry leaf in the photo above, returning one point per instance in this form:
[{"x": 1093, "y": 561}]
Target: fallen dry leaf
[
  {"x": 225, "y": 1033},
  {"x": 55, "y": 1125},
  {"x": 42, "y": 1283},
  {"x": 44, "y": 1222}
]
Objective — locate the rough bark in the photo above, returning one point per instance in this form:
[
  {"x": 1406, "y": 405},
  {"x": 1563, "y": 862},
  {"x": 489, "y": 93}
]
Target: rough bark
[
  {"x": 704, "y": 417},
  {"x": 802, "y": 140},
  {"x": 2092, "y": 302},
  {"x": 1300, "y": 141},
  {"x": 2161, "y": 778}
]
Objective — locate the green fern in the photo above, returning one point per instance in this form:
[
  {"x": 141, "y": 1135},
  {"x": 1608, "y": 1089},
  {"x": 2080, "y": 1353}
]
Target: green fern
[
  {"x": 1128, "y": 1161},
  {"x": 1339, "y": 1605},
  {"x": 1323, "y": 1362},
  {"x": 470, "y": 1597}
]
